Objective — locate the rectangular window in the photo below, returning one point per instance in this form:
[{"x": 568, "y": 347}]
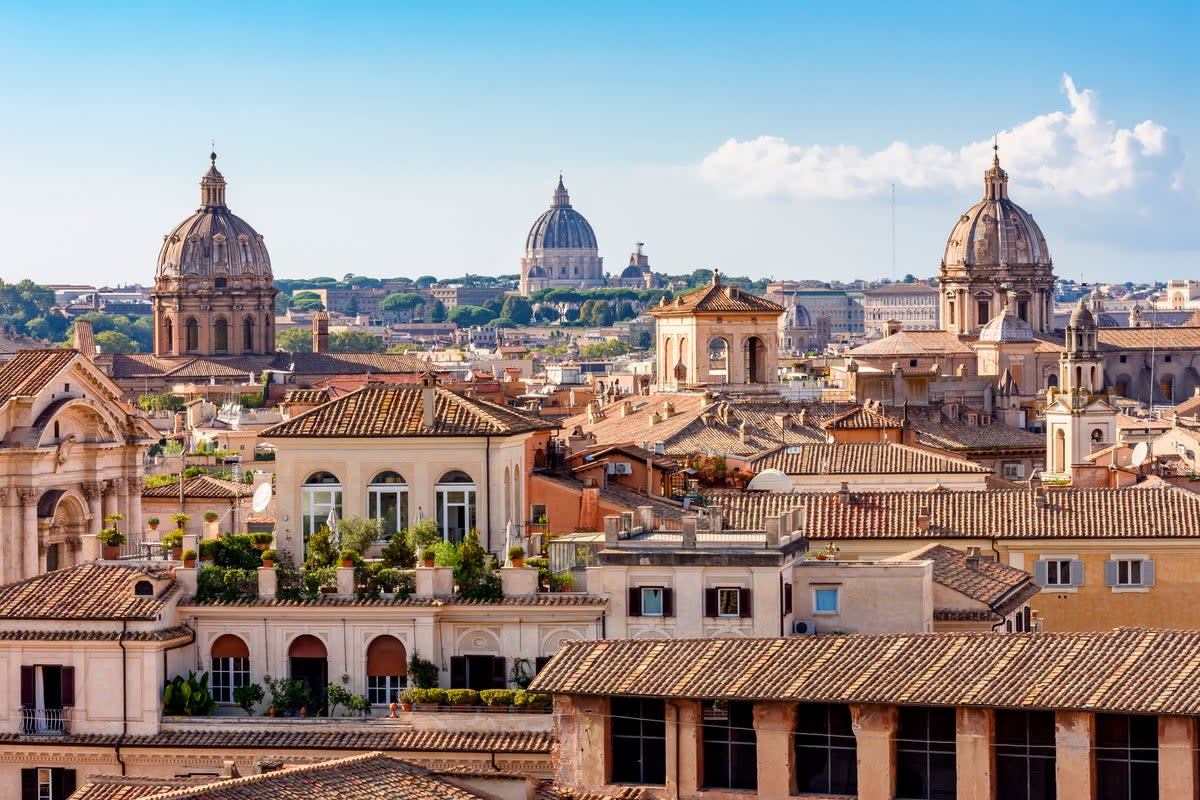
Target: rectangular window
[
  {"x": 41, "y": 783},
  {"x": 730, "y": 745},
  {"x": 826, "y": 750},
  {"x": 1013, "y": 470},
  {"x": 1126, "y": 757},
  {"x": 727, "y": 603},
  {"x": 825, "y": 601},
  {"x": 638, "y": 741},
  {"x": 1058, "y": 572},
  {"x": 383, "y": 689},
  {"x": 984, "y": 311},
  {"x": 1129, "y": 572},
  {"x": 1025, "y": 754},
  {"x": 652, "y": 601},
  {"x": 227, "y": 675},
  {"x": 925, "y": 760}
]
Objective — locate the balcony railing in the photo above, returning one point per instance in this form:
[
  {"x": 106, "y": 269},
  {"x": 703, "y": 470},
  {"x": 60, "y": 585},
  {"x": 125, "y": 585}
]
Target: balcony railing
[{"x": 45, "y": 721}]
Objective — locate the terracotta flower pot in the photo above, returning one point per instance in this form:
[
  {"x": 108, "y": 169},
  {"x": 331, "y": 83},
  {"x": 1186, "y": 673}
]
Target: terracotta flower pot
[
  {"x": 518, "y": 562},
  {"x": 189, "y": 563},
  {"x": 111, "y": 552},
  {"x": 268, "y": 563},
  {"x": 347, "y": 562},
  {"x": 392, "y": 708},
  {"x": 177, "y": 553},
  {"x": 406, "y": 706},
  {"x": 429, "y": 563}
]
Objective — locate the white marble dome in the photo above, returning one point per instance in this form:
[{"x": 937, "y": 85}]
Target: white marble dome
[{"x": 214, "y": 244}]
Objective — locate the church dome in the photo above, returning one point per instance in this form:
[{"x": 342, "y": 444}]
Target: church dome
[
  {"x": 996, "y": 233},
  {"x": 561, "y": 226},
  {"x": 632, "y": 271},
  {"x": 213, "y": 243},
  {"x": 1006, "y": 327},
  {"x": 1082, "y": 317}
]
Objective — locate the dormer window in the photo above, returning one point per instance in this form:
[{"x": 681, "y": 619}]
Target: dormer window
[{"x": 143, "y": 589}]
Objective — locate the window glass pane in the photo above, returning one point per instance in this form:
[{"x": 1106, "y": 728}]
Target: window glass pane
[
  {"x": 825, "y": 600},
  {"x": 652, "y": 603},
  {"x": 638, "y": 741},
  {"x": 727, "y": 602}
]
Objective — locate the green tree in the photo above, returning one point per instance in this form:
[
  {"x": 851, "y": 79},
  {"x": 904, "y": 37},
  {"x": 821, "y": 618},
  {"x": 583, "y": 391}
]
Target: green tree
[
  {"x": 437, "y": 312},
  {"x": 115, "y": 342},
  {"x": 355, "y": 342},
  {"x": 476, "y": 575},
  {"x": 399, "y": 554},
  {"x": 50, "y": 328},
  {"x": 294, "y": 340},
  {"x": 547, "y": 313},
  {"x": 470, "y": 316},
  {"x": 321, "y": 552},
  {"x": 518, "y": 309},
  {"x": 308, "y": 301},
  {"x": 601, "y": 314},
  {"x": 609, "y": 349},
  {"x": 425, "y": 281},
  {"x": 402, "y": 303}
]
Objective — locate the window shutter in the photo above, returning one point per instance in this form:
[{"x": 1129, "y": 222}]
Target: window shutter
[
  {"x": 1147, "y": 573},
  {"x": 668, "y": 604},
  {"x": 29, "y": 784},
  {"x": 1039, "y": 572},
  {"x": 1110, "y": 573},
  {"x": 710, "y": 602},
  {"x": 68, "y": 782},
  {"x": 743, "y": 603},
  {"x": 635, "y": 601},
  {"x": 499, "y": 672},
  {"x": 1077, "y": 573},
  {"x": 458, "y": 672},
  {"x": 28, "y": 694},
  {"x": 67, "y": 682},
  {"x": 787, "y": 598}
]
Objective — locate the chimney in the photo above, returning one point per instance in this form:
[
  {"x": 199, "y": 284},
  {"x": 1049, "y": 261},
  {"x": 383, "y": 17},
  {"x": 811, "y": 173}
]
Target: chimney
[
  {"x": 973, "y": 559},
  {"x": 689, "y": 531},
  {"x": 230, "y": 771},
  {"x": 668, "y": 410},
  {"x": 626, "y": 408},
  {"x": 320, "y": 330},
  {"x": 923, "y": 519},
  {"x": 85, "y": 340},
  {"x": 428, "y": 398},
  {"x": 660, "y": 448},
  {"x": 844, "y": 496},
  {"x": 891, "y": 327}
]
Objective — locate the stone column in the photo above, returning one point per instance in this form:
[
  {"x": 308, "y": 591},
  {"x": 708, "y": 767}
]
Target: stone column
[
  {"x": 973, "y": 746},
  {"x": 683, "y": 748},
  {"x": 1074, "y": 769},
  {"x": 773, "y": 726},
  {"x": 108, "y": 499},
  {"x": 875, "y": 733},
  {"x": 30, "y": 559},
  {"x": 133, "y": 499},
  {"x": 1176, "y": 757},
  {"x": 120, "y": 493}
]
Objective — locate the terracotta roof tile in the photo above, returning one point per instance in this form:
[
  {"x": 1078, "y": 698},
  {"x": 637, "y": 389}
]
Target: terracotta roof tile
[
  {"x": 913, "y": 343},
  {"x": 1146, "y": 338},
  {"x": 990, "y": 582},
  {"x": 541, "y": 599},
  {"x": 30, "y": 371},
  {"x": 306, "y": 396},
  {"x": 87, "y": 591},
  {"x": 860, "y": 458},
  {"x": 717, "y": 298},
  {"x": 387, "y": 411},
  {"x": 1128, "y": 670},
  {"x": 746, "y": 511},
  {"x": 201, "y": 487},
  {"x": 91, "y": 635}
]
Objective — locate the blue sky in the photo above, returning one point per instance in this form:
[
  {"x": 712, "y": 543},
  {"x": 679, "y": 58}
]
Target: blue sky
[{"x": 404, "y": 139}]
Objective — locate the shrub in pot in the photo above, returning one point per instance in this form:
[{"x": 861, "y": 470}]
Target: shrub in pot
[
  {"x": 268, "y": 558},
  {"x": 261, "y": 540},
  {"x": 153, "y": 523},
  {"x": 211, "y": 516},
  {"x": 189, "y": 558},
  {"x": 350, "y": 558},
  {"x": 517, "y": 556},
  {"x": 248, "y": 696},
  {"x": 208, "y": 549},
  {"x": 463, "y": 697},
  {"x": 173, "y": 541},
  {"x": 497, "y": 699},
  {"x": 112, "y": 539}
]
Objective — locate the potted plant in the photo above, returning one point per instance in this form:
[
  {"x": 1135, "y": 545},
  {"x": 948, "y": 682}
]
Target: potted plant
[
  {"x": 112, "y": 539},
  {"x": 531, "y": 702},
  {"x": 428, "y": 699},
  {"x": 173, "y": 541},
  {"x": 497, "y": 700},
  {"x": 517, "y": 556},
  {"x": 349, "y": 557},
  {"x": 211, "y": 516},
  {"x": 428, "y": 557},
  {"x": 189, "y": 558},
  {"x": 268, "y": 559},
  {"x": 180, "y": 520},
  {"x": 153, "y": 523},
  {"x": 462, "y": 698},
  {"x": 262, "y": 539},
  {"x": 248, "y": 696},
  {"x": 406, "y": 700},
  {"x": 208, "y": 549}
]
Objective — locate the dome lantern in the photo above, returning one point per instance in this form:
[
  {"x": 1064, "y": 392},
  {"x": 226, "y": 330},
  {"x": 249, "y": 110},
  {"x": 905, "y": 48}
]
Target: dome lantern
[
  {"x": 561, "y": 198},
  {"x": 212, "y": 186}
]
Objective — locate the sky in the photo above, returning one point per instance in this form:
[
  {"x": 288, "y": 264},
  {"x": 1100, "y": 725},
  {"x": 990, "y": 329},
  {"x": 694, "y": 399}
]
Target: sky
[{"x": 765, "y": 139}]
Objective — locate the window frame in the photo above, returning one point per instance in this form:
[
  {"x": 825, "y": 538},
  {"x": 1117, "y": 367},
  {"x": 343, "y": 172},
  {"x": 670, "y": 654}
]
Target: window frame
[
  {"x": 629, "y": 724},
  {"x": 723, "y": 593},
  {"x": 1022, "y": 754},
  {"x": 387, "y": 686},
  {"x": 926, "y": 750},
  {"x": 1139, "y": 774},
  {"x": 820, "y": 745},
  {"x": 730, "y": 741},
  {"x": 227, "y": 673},
  {"x": 818, "y": 591},
  {"x": 643, "y": 590},
  {"x": 378, "y": 490}
]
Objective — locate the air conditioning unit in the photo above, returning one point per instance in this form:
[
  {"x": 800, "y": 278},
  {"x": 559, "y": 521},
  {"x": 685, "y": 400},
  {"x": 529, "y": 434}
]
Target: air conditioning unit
[
  {"x": 804, "y": 627},
  {"x": 620, "y": 468}
]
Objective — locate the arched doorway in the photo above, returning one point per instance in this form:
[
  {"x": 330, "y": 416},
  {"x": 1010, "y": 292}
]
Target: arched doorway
[
  {"x": 230, "y": 667},
  {"x": 308, "y": 662},
  {"x": 64, "y": 517},
  {"x": 718, "y": 360},
  {"x": 387, "y": 669},
  {"x": 756, "y": 357}
]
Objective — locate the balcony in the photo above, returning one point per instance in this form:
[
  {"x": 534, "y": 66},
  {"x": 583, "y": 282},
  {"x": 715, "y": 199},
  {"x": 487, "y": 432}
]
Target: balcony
[{"x": 45, "y": 721}]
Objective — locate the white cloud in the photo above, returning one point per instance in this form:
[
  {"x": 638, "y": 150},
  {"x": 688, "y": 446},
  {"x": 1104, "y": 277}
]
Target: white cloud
[{"x": 1062, "y": 153}]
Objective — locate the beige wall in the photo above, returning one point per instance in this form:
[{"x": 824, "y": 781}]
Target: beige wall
[{"x": 895, "y": 597}]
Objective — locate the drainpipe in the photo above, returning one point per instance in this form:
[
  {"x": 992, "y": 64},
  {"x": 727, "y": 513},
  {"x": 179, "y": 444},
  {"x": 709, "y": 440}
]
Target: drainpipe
[
  {"x": 124, "y": 691},
  {"x": 125, "y": 683},
  {"x": 487, "y": 454}
]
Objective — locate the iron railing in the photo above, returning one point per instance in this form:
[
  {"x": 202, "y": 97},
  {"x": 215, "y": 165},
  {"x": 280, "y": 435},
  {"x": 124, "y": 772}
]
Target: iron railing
[{"x": 45, "y": 721}]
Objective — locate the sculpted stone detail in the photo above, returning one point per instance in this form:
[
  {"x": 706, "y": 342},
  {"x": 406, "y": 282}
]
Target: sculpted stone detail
[
  {"x": 92, "y": 490},
  {"x": 28, "y": 497}
]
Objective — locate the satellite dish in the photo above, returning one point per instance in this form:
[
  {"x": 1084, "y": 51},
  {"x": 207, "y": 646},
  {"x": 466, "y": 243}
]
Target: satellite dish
[
  {"x": 1140, "y": 452},
  {"x": 262, "y": 498}
]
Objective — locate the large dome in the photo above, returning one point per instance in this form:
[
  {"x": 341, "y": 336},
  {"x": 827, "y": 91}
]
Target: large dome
[
  {"x": 996, "y": 232},
  {"x": 560, "y": 227},
  {"x": 214, "y": 243}
]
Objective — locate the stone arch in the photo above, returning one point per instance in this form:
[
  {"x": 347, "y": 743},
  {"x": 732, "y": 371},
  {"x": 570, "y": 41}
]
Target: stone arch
[
  {"x": 220, "y": 335},
  {"x": 248, "y": 335},
  {"x": 80, "y": 418},
  {"x": 553, "y": 641},
  {"x": 668, "y": 362},
  {"x": 478, "y": 641},
  {"x": 754, "y": 356},
  {"x": 191, "y": 338},
  {"x": 652, "y": 633}
]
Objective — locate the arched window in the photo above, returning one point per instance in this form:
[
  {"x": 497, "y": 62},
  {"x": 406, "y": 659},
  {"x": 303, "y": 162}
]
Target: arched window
[
  {"x": 230, "y": 667},
  {"x": 169, "y": 336},
  {"x": 668, "y": 363},
  {"x": 455, "y": 498},
  {"x": 321, "y": 494},
  {"x": 192, "y": 341},
  {"x": 220, "y": 336},
  {"x": 248, "y": 335},
  {"x": 718, "y": 360},
  {"x": 1051, "y": 380},
  {"x": 756, "y": 360},
  {"x": 387, "y": 669},
  {"x": 141, "y": 588},
  {"x": 1060, "y": 451},
  {"x": 387, "y": 501}
]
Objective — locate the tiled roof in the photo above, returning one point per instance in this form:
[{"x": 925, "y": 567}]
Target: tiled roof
[
  {"x": 914, "y": 343},
  {"x": 136, "y": 365},
  {"x": 917, "y": 287},
  {"x": 201, "y": 487},
  {"x": 629, "y": 449},
  {"x": 935, "y": 429},
  {"x": 87, "y": 591},
  {"x": 717, "y": 298},
  {"x": 1121, "y": 671},
  {"x": 860, "y": 458},
  {"x": 370, "y": 776},
  {"x": 746, "y": 511},
  {"x": 990, "y": 583},
  {"x": 860, "y": 417},
  {"x": 1145, "y": 338},
  {"x": 387, "y": 411},
  {"x": 541, "y": 599},
  {"x": 128, "y": 787},
  {"x": 623, "y": 496},
  {"x": 1188, "y": 408},
  {"x": 273, "y": 739},
  {"x": 30, "y": 371},
  {"x": 91, "y": 635},
  {"x": 214, "y": 367},
  {"x": 306, "y": 396},
  {"x": 1131, "y": 513}
]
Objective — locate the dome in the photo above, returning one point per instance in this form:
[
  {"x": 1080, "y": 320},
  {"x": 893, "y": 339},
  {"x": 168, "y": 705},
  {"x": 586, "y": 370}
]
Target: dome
[
  {"x": 561, "y": 227},
  {"x": 1082, "y": 317},
  {"x": 1006, "y": 327},
  {"x": 996, "y": 232},
  {"x": 632, "y": 271},
  {"x": 771, "y": 480},
  {"x": 214, "y": 243}
]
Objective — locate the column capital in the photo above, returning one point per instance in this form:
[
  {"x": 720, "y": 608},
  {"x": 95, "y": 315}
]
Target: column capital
[
  {"x": 28, "y": 497},
  {"x": 108, "y": 486},
  {"x": 134, "y": 485},
  {"x": 92, "y": 490}
]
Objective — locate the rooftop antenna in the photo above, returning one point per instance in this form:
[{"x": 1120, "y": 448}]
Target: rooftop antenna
[{"x": 893, "y": 231}]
